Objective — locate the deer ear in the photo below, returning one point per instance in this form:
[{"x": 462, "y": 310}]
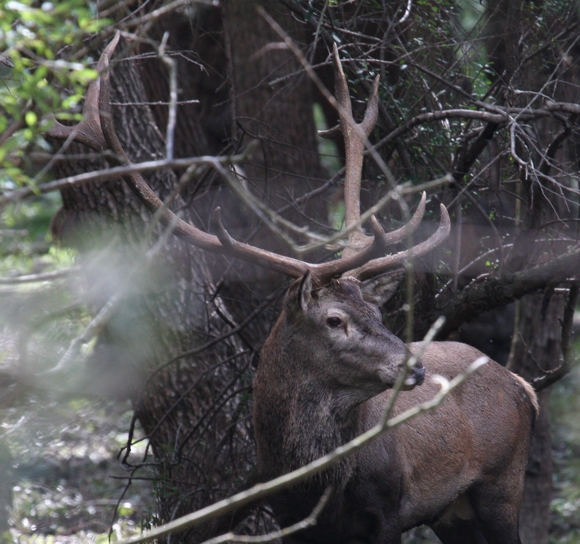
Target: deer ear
[
  {"x": 299, "y": 296},
  {"x": 381, "y": 288}
]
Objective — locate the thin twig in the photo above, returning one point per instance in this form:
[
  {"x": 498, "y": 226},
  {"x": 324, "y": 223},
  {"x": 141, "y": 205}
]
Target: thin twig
[
  {"x": 92, "y": 329},
  {"x": 44, "y": 276},
  {"x": 106, "y": 312},
  {"x": 172, "y": 117},
  {"x": 409, "y": 364},
  {"x": 116, "y": 172},
  {"x": 156, "y": 14},
  {"x": 155, "y": 103}
]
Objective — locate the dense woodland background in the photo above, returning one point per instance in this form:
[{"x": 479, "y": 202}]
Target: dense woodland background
[{"x": 127, "y": 356}]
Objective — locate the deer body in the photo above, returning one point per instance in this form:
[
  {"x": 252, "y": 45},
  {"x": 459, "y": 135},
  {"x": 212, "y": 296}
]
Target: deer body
[{"x": 319, "y": 384}]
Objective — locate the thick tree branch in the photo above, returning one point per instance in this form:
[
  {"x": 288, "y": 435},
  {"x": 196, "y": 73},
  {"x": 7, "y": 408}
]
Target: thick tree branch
[
  {"x": 502, "y": 116},
  {"x": 498, "y": 290}
]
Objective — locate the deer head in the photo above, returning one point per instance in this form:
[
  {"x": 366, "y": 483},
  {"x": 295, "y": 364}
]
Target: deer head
[{"x": 339, "y": 338}]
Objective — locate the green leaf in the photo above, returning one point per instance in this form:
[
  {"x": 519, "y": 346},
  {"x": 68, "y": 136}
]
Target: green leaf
[{"x": 31, "y": 118}]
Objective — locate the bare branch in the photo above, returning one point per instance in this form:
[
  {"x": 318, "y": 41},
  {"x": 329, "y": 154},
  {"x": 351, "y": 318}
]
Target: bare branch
[
  {"x": 107, "y": 311},
  {"x": 498, "y": 290},
  {"x": 410, "y": 363},
  {"x": 168, "y": 8},
  {"x": 172, "y": 117},
  {"x": 44, "y": 276},
  {"x": 115, "y": 173},
  {"x": 501, "y": 117},
  {"x": 281, "y": 533}
]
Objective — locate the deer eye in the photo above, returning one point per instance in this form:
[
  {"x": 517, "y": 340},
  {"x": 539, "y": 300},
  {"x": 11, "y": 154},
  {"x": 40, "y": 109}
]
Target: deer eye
[{"x": 333, "y": 321}]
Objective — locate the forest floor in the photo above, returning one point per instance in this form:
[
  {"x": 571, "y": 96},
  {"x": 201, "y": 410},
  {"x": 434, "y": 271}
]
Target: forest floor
[{"x": 68, "y": 485}]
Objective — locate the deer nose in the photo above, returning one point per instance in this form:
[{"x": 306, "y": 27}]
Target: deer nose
[
  {"x": 415, "y": 375},
  {"x": 419, "y": 373}
]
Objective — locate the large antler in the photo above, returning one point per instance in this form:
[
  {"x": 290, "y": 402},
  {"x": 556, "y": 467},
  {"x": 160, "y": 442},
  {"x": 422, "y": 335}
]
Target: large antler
[
  {"x": 355, "y": 138},
  {"x": 97, "y": 131}
]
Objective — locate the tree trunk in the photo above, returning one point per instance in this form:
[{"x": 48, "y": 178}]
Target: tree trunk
[
  {"x": 537, "y": 346},
  {"x": 195, "y": 409},
  {"x": 285, "y": 164},
  {"x": 271, "y": 103}
]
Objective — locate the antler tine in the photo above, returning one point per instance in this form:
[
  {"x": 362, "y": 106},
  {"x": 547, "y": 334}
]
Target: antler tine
[
  {"x": 372, "y": 112},
  {"x": 354, "y": 143},
  {"x": 396, "y": 236},
  {"x": 88, "y": 131},
  {"x": 362, "y": 265},
  {"x": 376, "y": 266},
  {"x": 322, "y": 273},
  {"x": 106, "y": 116},
  {"x": 341, "y": 91}
]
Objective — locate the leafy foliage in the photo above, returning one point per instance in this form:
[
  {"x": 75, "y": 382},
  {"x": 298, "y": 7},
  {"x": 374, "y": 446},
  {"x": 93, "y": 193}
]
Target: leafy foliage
[{"x": 34, "y": 40}]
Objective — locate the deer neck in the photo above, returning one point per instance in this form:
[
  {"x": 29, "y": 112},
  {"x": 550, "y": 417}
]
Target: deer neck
[{"x": 299, "y": 424}]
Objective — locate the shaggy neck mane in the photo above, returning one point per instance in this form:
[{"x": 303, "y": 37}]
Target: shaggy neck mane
[{"x": 302, "y": 420}]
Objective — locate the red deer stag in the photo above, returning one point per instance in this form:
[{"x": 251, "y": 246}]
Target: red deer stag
[{"x": 326, "y": 369}]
